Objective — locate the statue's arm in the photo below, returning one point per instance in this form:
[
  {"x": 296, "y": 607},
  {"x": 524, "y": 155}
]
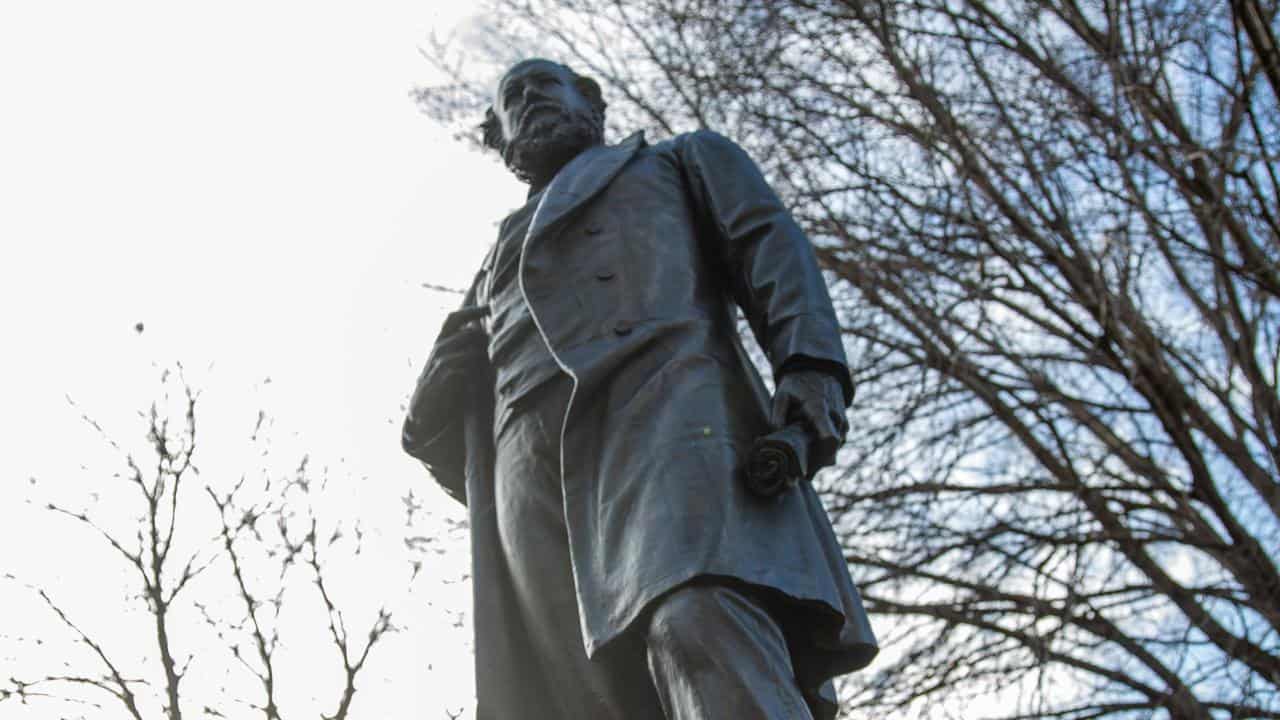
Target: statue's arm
[
  {"x": 453, "y": 379},
  {"x": 772, "y": 271},
  {"x": 441, "y": 449}
]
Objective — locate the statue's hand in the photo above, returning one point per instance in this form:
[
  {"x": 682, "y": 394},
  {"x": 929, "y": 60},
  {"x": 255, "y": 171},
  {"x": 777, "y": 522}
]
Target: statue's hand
[
  {"x": 815, "y": 400},
  {"x": 460, "y": 353}
]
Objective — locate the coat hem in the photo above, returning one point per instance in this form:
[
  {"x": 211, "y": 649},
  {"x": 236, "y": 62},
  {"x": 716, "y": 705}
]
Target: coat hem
[{"x": 819, "y": 636}]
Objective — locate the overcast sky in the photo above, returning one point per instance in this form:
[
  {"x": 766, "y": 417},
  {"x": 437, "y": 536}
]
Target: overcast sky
[{"x": 251, "y": 183}]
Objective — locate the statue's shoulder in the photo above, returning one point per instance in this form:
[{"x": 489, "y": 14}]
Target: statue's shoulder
[
  {"x": 701, "y": 136},
  {"x": 696, "y": 143},
  {"x": 479, "y": 282},
  {"x": 700, "y": 142}
]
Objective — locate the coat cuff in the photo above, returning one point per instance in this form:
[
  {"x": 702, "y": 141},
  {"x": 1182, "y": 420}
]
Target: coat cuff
[
  {"x": 832, "y": 369},
  {"x": 811, "y": 341}
]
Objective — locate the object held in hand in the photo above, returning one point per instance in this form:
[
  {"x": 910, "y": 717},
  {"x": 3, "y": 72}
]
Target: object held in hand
[{"x": 778, "y": 461}]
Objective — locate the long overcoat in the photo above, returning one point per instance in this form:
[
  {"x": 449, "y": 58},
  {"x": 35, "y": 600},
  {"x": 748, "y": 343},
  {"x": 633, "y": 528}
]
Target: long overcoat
[{"x": 631, "y": 267}]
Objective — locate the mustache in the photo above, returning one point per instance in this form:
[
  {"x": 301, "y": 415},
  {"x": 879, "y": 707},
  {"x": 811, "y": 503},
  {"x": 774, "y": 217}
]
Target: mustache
[{"x": 538, "y": 107}]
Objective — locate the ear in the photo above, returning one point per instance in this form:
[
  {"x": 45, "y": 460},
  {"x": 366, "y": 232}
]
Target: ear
[
  {"x": 590, "y": 89},
  {"x": 491, "y": 131}
]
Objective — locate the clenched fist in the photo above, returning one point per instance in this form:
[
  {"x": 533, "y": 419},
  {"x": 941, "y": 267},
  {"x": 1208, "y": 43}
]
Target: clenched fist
[{"x": 815, "y": 400}]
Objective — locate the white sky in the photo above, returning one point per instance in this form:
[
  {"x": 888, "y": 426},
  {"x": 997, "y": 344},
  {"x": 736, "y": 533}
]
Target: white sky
[{"x": 251, "y": 181}]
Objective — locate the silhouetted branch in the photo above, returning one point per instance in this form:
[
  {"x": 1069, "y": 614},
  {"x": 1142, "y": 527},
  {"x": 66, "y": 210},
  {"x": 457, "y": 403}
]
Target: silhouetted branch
[{"x": 257, "y": 527}]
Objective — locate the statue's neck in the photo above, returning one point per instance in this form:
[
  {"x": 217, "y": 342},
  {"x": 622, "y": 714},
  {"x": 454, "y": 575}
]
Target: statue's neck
[
  {"x": 542, "y": 181},
  {"x": 545, "y": 179},
  {"x": 538, "y": 186}
]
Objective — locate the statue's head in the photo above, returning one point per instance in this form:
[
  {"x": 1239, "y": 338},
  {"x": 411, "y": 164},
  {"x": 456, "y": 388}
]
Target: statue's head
[{"x": 543, "y": 114}]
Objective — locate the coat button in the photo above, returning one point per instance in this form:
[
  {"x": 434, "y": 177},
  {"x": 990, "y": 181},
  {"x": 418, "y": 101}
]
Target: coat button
[
  {"x": 622, "y": 327},
  {"x": 603, "y": 275}
]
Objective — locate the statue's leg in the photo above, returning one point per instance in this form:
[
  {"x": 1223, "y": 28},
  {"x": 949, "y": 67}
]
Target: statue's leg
[
  {"x": 715, "y": 652},
  {"x": 534, "y": 541}
]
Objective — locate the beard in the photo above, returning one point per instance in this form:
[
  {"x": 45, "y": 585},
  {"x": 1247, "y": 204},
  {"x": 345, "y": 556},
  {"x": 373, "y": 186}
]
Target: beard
[{"x": 549, "y": 140}]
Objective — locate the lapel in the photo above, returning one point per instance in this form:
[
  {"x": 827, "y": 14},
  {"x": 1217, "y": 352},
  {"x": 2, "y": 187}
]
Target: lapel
[{"x": 579, "y": 181}]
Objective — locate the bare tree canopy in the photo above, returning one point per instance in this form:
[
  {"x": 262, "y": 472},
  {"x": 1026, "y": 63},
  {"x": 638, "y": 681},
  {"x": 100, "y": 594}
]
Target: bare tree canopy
[
  {"x": 1052, "y": 232},
  {"x": 214, "y": 561}
]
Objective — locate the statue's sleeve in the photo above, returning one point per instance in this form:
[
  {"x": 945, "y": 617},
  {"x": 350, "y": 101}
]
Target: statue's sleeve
[
  {"x": 438, "y": 435},
  {"x": 440, "y": 443},
  {"x": 772, "y": 270}
]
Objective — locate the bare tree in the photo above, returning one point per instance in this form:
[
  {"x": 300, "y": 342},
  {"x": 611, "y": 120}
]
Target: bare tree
[
  {"x": 234, "y": 568},
  {"x": 1052, "y": 229}
]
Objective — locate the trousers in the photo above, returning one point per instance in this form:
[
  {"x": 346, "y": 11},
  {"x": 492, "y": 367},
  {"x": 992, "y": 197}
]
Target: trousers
[{"x": 707, "y": 650}]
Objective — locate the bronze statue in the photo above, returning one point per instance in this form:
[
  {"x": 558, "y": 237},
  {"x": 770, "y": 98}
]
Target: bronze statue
[{"x": 593, "y": 405}]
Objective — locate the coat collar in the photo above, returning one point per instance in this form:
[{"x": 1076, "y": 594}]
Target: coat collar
[{"x": 579, "y": 181}]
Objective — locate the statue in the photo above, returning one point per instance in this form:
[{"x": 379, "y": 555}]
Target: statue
[{"x": 594, "y": 407}]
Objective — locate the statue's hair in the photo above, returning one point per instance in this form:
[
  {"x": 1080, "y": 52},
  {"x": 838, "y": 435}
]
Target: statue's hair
[{"x": 590, "y": 89}]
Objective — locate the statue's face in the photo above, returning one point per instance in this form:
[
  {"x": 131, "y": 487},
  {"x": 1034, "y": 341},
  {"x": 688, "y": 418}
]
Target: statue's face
[
  {"x": 545, "y": 119},
  {"x": 535, "y": 96}
]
